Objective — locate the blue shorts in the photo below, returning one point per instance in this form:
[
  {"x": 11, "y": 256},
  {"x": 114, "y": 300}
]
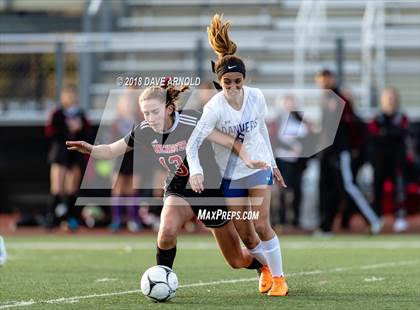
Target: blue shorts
[{"x": 239, "y": 187}]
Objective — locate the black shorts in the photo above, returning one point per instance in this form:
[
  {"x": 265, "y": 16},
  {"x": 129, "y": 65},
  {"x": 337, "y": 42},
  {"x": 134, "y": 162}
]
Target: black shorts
[
  {"x": 58, "y": 154},
  {"x": 194, "y": 198}
]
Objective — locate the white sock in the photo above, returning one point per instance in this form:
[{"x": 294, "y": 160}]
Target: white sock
[
  {"x": 258, "y": 253},
  {"x": 273, "y": 255}
]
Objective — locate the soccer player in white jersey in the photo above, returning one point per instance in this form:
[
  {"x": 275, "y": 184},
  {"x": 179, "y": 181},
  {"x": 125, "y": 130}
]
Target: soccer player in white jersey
[{"x": 240, "y": 111}]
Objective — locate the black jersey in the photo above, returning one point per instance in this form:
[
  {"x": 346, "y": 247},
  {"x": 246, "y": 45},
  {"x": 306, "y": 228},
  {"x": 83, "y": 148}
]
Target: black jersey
[
  {"x": 389, "y": 134},
  {"x": 58, "y": 131},
  {"x": 170, "y": 149}
]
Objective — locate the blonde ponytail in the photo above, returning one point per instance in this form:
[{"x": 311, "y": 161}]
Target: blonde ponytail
[{"x": 219, "y": 38}]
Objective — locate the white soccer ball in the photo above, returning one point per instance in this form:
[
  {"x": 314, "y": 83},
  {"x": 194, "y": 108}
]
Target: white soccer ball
[{"x": 159, "y": 283}]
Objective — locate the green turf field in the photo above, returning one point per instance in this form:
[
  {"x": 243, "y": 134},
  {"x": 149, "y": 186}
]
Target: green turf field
[{"x": 104, "y": 273}]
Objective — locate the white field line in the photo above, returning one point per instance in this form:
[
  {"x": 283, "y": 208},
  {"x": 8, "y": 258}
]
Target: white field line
[
  {"x": 105, "y": 280},
  {"x": 303, "y": 273},
  {"x": 297, "y": 245},
  {"x": 373, "y": 279}
]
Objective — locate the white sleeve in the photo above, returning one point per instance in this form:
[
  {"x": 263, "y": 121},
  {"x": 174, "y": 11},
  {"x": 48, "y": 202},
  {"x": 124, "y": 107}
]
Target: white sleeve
[
  {"x": 264, "y": 130},
  {"x": 204, "y": 127}
]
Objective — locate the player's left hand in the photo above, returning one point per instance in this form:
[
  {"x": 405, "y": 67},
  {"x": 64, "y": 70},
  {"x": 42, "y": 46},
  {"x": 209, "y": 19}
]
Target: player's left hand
[
  {"x": 197, "y": 181},
  {"x": 279, "y": 177},
  {"x": 257, "y": 164}
]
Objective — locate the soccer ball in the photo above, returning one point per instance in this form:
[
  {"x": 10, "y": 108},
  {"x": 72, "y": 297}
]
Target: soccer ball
[{"x": 159, "y": 283}]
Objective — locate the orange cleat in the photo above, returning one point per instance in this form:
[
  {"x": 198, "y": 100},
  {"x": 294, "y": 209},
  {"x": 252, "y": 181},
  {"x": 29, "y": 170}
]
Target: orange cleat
[
  {"x": 266, "y": 280},
  {"x": 279, "y": 287}
]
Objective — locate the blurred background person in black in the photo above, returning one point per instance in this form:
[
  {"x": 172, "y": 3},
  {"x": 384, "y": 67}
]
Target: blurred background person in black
[
  {"x": 390, "y": 149},
  {"x": 66, "y": 122},
  {"x": 336, "y": 175}
]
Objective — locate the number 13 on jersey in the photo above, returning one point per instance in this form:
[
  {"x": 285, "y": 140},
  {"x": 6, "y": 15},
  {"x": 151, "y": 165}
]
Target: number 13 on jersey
[{"x": 175, "y": 164}]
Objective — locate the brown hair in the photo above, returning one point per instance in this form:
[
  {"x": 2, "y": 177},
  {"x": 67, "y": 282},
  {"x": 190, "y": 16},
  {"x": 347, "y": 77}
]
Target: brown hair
[
  {"x": 325, "y": 72},
  {"x": 69, "y": 87},
  {"x": 165, "y": 93},
  {"x": 221, "y": 43}
]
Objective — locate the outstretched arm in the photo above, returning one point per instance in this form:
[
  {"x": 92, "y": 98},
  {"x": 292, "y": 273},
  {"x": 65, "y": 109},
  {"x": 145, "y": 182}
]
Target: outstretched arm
[
  {"x": 102, "y": 151},
  {"x": 237, "y": 148}
]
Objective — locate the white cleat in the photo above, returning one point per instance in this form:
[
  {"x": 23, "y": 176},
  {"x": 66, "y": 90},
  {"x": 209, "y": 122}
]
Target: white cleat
[
  {"x": 3, "y": 254},
  {"x": 400, "y": 224}
]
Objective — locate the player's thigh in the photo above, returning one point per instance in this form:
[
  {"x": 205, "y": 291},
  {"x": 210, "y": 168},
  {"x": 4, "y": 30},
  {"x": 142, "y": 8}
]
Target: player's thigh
[
  {"x": 260, "y": 197},
  {"x": 239, "y": 205},
  {"x": 228, "y": 241},
  {"x": 57, "y": 178},
  {"x": 245, "y": 228},
  {"x": 175, "y": 212}
]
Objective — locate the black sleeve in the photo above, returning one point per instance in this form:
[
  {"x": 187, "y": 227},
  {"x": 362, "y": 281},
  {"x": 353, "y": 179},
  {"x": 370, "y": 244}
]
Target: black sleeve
[
  {"x": 129, "y": 138},
  {"x": 137, "y": 135}
]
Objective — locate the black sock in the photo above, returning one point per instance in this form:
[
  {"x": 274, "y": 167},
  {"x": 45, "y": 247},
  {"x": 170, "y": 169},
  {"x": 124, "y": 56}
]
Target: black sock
[
  {"x": 165, "y": 257},
  {"x": 255, "y": 264},
  {"x": 50, "y": 217},
  {"x": 73, "y": 211}
]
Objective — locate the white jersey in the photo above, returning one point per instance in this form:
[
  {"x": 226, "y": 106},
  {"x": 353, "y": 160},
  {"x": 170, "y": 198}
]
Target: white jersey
[{"x": 248, "y": 124}]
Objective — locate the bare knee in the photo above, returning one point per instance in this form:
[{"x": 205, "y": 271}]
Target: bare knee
[
  {"x": 250, "y": 241},
  {"x": 264, "y": 231},
  {"x": 235, "y": 263},
  {"x": 167, "y": 237}
]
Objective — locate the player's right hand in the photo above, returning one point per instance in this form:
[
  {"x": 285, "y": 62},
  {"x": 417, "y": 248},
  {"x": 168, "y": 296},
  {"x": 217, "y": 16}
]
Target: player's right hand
[
  {"x": 80, "y": 146},
  {"x": 196, "y": 182}
]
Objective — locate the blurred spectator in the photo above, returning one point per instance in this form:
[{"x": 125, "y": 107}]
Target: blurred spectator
[
  {"x": 125, "y": 182},
  {"x": 389, "y": 141},
  {"x": 66, "y": 122},
  {"x": 3, "y": 254},
  {"x": 336, "y": 177},
  {"x": 289, "y": 130}
]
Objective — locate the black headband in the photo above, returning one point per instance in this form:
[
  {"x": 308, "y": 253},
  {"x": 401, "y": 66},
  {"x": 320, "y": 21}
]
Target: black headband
[{"x": 233, "y": 65}]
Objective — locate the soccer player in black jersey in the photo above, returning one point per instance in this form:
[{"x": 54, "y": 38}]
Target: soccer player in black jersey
[{"x": 166, "y": 131}]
